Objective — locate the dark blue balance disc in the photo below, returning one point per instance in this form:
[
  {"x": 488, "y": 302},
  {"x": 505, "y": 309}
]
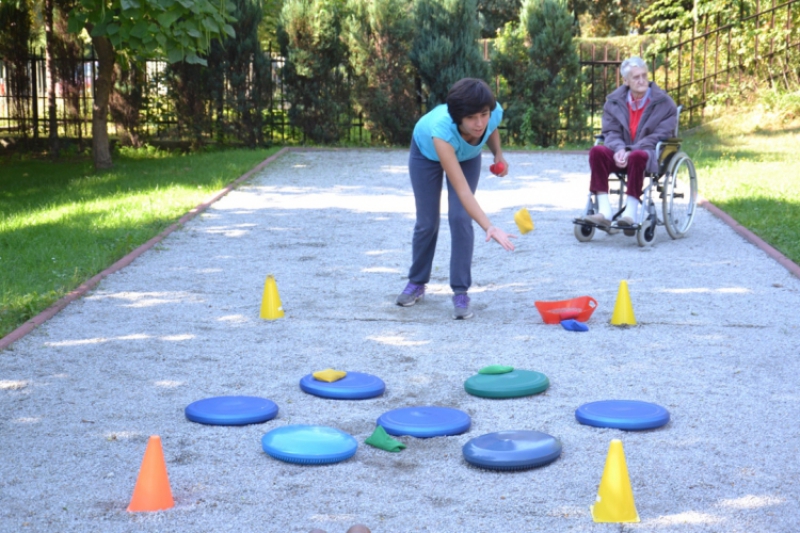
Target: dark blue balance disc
[
  {"x": 354, "y": 386},
  {"x": 424, "y": 422},
  {"x": 311, "y": 445},
  {"x": 622, "y": 414},
  {"x": 231, "y": 410},
  {"x": 512, "y": 450},
  {"x": 509, "y": 385}
]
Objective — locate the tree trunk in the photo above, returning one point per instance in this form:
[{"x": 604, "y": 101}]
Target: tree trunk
[
  {"x": 101, "y": 151},
  {"x": 51, "y": 73}
]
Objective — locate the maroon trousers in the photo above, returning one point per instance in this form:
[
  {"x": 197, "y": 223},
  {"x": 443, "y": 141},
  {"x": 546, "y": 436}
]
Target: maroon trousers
[{"x": 601, "y": 164}]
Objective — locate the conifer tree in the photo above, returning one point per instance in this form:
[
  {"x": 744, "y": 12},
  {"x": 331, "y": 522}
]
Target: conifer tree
[
  {"x": 379, "y": 34},
  {"x": 447, "y": 46},
  {"x": 314, "y": 73},
  {"x": 539, "y": 62},
  {"x": 554, "y": 75}
]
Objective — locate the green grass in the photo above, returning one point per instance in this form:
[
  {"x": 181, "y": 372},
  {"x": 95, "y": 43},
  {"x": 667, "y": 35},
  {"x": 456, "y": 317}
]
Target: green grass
[
  {"x": 747, "y": 165},
  {"x": 61, "y": 223}
]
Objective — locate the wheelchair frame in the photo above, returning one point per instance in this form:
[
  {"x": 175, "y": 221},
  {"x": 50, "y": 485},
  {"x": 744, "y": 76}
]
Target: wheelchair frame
[{"x": 673, "y": 163}]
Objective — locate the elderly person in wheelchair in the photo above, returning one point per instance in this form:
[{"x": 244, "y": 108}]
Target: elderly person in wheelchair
[{"x": 636, "y": 116}]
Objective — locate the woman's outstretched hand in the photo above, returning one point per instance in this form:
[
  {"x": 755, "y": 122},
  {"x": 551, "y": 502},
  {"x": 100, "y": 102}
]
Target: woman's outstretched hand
[{"x": 502, "y": 238}]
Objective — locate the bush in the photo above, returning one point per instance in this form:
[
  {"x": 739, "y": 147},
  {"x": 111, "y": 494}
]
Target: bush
[
  {"x": 314, "y": 77},
  {"x": 541, "y": 69},
  {"x": 446, "y": 47},
  {"x": 379, "y": 33}
]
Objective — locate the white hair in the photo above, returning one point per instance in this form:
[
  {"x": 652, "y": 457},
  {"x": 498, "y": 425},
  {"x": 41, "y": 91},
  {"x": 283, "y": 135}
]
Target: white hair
[{"x": 632, "y": 62}]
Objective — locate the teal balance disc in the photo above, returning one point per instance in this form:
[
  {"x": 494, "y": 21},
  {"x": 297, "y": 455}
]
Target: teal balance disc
[{"x": 512, "y": 384}]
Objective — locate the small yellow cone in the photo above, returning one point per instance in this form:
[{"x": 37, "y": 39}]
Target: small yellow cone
[
  {"x": 271, "y": 307},
  {"x": 523, "y": 220},
  {"x": 615, "y": 497},
  {"x": 623, "y": 310}
]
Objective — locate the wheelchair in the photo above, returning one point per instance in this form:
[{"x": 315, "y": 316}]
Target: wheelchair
[{"x": 675, "y": 185}]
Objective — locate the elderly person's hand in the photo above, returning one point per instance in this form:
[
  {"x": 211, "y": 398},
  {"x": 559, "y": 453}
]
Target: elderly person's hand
[{"x": 621, "y": 158}]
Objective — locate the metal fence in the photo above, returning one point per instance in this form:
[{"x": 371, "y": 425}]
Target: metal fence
[
  {"x": 700, "y": 67},
  {"x": 710, "y": 65}
]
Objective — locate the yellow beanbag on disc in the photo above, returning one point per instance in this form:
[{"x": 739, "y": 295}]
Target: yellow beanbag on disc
[{"x": 330, "y": 375}]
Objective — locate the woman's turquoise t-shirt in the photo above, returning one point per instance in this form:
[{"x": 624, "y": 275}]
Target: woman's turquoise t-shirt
[{"x": 438, "y": 123}]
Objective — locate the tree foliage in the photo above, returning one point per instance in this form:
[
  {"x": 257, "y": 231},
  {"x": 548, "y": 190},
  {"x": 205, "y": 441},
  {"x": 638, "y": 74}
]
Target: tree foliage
[
  {"x": 663, "y": 16},
  {"x": 495, "y": 14},
  {"x": 15, "y": 39},
  {"x": 314, "y": 73},
  {"x": 176, "y": 29},
  {"x": 446, "y": 46},
  {"x": 239, "y": 75},
  {"x": 539, "y": 62},
  {"x": 379, "y": 34}
]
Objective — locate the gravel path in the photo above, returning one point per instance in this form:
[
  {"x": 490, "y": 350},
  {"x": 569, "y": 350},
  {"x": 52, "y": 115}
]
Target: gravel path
[{"x": 717, "y": 345}]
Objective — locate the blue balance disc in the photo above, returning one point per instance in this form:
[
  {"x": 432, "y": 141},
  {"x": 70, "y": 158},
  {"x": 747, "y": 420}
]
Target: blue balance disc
[
  {"x": 354, "y": 386},
  {"x": 231, "y": 410},
  {"x": 312, "y": 445},
  {"x": 622, "y": 414},
  {"x": 509, "y": 385},
  {"x": 512, "y": 450},
  {"x": 424, "y": 422}
]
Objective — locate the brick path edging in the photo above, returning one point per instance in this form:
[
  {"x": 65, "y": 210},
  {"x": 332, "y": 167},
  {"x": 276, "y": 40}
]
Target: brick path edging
[{"x": 751, "y": 237}]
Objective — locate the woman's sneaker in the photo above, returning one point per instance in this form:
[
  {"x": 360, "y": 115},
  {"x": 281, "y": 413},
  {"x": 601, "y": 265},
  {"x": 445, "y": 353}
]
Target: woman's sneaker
[
  {"x": 461, "y": 309},
  {"x": 411, "y": 294}
]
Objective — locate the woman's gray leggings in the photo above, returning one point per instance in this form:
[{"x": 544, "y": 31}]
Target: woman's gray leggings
[{"x": 426, "y": 180}]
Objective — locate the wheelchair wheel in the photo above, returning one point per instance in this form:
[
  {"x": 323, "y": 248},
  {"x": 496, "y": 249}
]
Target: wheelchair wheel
[
  {"x": 647, "y": 232},
  {"x": 680, "y": 195},
  {"x": 584, "y": 233}
]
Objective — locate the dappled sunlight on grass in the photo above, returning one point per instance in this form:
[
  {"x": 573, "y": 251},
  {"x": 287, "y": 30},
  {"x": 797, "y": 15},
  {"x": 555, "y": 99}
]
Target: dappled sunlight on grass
[
  {"x": 72, "y": 221},
  {"x": 747, "y": 166}
]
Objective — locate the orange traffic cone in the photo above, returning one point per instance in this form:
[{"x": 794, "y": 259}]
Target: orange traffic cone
[{"x": 152, "y": 492}]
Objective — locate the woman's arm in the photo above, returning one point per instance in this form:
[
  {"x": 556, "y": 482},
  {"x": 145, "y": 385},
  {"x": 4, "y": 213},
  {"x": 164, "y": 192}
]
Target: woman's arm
[
  {"x": 450, "y": 164},
  {"x": 494, "y": 145}
]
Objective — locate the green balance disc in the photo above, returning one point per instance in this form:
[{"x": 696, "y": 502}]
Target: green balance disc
[{"x": 509, "y": 385}]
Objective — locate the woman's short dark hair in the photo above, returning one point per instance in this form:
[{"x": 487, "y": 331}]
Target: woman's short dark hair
[{"x": 468, "y": 96}]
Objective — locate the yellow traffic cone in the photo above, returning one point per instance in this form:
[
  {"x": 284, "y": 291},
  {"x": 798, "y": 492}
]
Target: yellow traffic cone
[
  {"x": 271, "y": 307},
  {"x": 615, "y": 497},
  {"x": 623, "y": 310}
]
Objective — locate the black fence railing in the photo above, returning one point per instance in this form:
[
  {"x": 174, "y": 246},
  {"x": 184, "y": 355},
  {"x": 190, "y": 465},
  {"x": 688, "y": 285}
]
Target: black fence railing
[{"x": 707, "y": 65}]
